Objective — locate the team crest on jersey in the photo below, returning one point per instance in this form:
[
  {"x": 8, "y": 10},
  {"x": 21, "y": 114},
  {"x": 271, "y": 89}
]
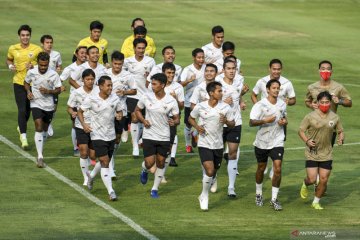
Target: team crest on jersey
[
  {"x": 331, "y": 123},
  {"x": 31, "y": 55},
  {"x": 102, "y": 48}
]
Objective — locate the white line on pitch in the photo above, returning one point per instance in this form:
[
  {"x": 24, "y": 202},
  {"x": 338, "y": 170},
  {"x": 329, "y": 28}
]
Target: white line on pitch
[{"x": 83, "y": 192}]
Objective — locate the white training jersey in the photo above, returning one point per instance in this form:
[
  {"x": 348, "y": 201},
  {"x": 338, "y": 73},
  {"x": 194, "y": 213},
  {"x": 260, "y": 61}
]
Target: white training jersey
[
  {"x": 234, "y": 91},
  {"x": 220, "y": 65},
  {"x": 286, "y": 88},
  {"x": 77, "y": 75},
  {"x": 176, "y": 88},
  {"x": 138, "y": 71},
  {"x": 102, "y": 113},
  {"x": 66, "y": 73},
  {"x": 212, "y": 53},
  {"x": 76, "y": 98},
  {"x": 269, "y": 135},
  {"x": 209, "y": 119},
  {"x": 158, "y": 69},
  {"x": 187, "y": 73},
  {"x": 200, "y": 94},
  {"x": 55, "y": 60},
  {"x": 49, "y": 80},
  {"x": 157, "y": 112}
]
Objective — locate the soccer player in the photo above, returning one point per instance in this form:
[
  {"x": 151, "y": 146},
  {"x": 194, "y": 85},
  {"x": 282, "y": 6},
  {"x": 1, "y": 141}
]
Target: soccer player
[
  {"x": 103, "y": 107},
  {"x": 127, "y": 47},
  {"x": 212, "y": 115},
  {"x": 123, "y": 86},
  {"x": 158, "y": 106},
  {"x": 95, "y": 39},
  {"x": 80, "y": 54},
  {"x": 212, "y": 50},
  {"x": 76, "y": 98},
  {"x": 269, "y": 114},
  {"x": 45, "y": 83},
  {"x": 192, "y": 76},
  {"x": 316, "y": 130},
  {"x": 139, "y": 67},
  {"x": 20, "y": 58},
  {"x": 228, "y": 49}
]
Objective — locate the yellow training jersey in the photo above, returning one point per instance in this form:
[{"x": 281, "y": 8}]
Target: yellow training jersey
[
  {"x": 102, "y": 44},
  {"x": 128, "y": 48},
  {"x": 22, "y": 56}
]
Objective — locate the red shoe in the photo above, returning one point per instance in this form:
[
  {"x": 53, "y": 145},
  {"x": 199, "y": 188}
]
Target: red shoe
[
  {"x": 189, "y": 149},
  {"x": 93, "y": 162}
]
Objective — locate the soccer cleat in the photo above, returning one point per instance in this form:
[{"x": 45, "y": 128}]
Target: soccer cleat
[
  {"x": 154, "y": 194},
  {"x": 317, "y": 206},
  {"x": 40, "y": 163},
  {"x": 173, "y": 162},
  {"x": 76, "y": 153},
  {"x": 163, "y": 180},
  {"x": 259, "y": 200},
  {"x": 231, "y": 193},
  {"x": 93, "y": 162},
  {"x": 124, "y": 136},
  {"x": 112, "y": 196},
  {"x": 194, "y": 140},
  {"x": 304, "y": 191},
  {"x": 204, "y": 203},
  {"x": 24, "y": 143},
  {"x": 143, "y": 177},
  {"x": 50, "y": 131},
  {"x": 276, "y": 205},
  {"x": 189, "y": 149},
  {"x": 213, "y": 187},
  {"x": 135, "y": 152},
  {"x": 90, "y": 182}
]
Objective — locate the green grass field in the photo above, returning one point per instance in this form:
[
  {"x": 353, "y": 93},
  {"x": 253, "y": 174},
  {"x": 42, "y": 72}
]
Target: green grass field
[{"x": 36, "y": 205}]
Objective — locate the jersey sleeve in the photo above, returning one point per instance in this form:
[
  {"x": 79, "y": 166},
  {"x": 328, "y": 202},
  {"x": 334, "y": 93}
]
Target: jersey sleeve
[
  {"x": 305, "y": 123},
  {"x": 344, "y": 94},
  {"x": 153, "y": 71},
  {"x": 195, "y": 113},
  {"x": 180, "y": 94},
  {"x": 339, "y": 127},
  {"x": 127, "y": 48},
  {"x": 10, "y": 53},
  {"x": 255, "y": 113},
  {"x": 257, "y": 88},
  {"x": 72, "y": 100},
  {"x": 65, "y": 74},
  {"x": 59, "y": 62},
  {"x": 151, "y": 48},
  {"x": 175, "y": 108},
  {"x": 57, "y": 81},
  {"x": 28, "y": 77},
  {"x": 195, "y": 96},
  {"x": 290, "y": 91},
  {"x": 141, "y": 103},
  {"x": 230, "y": 116},
  {"x": 308, "y": 96},
  {"x": 76, "y": 75},
  {"x": 184, "y": 75},
  {"x": 120, "y": 106}
]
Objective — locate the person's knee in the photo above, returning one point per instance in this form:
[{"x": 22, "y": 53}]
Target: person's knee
[
  {"x": 261, "y": 167},
  {"x": 277, "y": 171},
  {"x": 311, "y": 179},
  {"x": 210, "y": 172},
  {"x": 323, "y": 179}
]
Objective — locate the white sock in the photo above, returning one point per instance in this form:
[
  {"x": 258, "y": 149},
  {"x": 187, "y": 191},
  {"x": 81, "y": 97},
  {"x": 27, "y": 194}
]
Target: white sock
[
  {"x": 259, "y": 189},
  {"x": 174, "y": 147},
  {"x": 274, "y": 193},
  {"x": 39, "y": 143},
  {"x": 23, "y": 135},
  {"x": 316, "y": 200},
  {"x": 206, "y": 181},
  {"x": 187, "y": 132},
  {"x": 112, "y": 160},
  {"x": 159, "y": 174},
  {"x": 167, "y": 161},
  {"x": 140, "y": 127},
  {"x": 135, "y": 134},
  {"x": 73, "y": 138},
  {"x": 106, "y": 178},
  {"x": 45, "y": 135},
  {"x": 84, "y": 167},
  {"x": 232, "y": 170},
  {"x": 203, "y": 170},
  {"x": 95, "y": 170}
]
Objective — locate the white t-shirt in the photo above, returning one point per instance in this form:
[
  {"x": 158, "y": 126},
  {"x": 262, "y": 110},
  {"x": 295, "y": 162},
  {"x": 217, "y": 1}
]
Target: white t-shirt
[
  {"x": 158, "y": 69},
  {"x": 102, "y": 115},
  {"x": 77, "y": 75},
  {"x": 187, "y": 73},
  {"x": 158, "y": 113},
  {"x": 66, "y": 73},
  {"x": 209, "y": 119},
  {"x": 137, "y": 70},
  {"x": 220, "y": 63},
  {"x": 176, "y": 88},
  {"x": 212, "y": 53},
  {"x": 200, "y": 94},
  {"x": 49, "y": 80},
  {"x": 76, "y": 98},
  {"x": 286, "y": 88},
  {"x": 55, "y": 60},
  {"x": 269, "y": 135}
]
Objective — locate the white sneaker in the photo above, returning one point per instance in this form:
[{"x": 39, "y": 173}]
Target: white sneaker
[
  {"x": 271, "y": 173},
  {"x": 213, "y": 187},
  {"x": 124, "y": 136},
  {"x": 163, "y": 180},
  {"x": 50, "y": 130},
  {"x": 135, "y": 152},
  {"x": 231, "y": 193},
  {"x": 204, "y": 202}
]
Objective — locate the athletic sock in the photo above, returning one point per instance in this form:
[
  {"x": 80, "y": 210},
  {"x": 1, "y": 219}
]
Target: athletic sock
[
  {"x": 134, "y": 135},
  {"x": 45, "y": 136},
  {"x": 316, "y": 200},
  {"x": 167, "y": 161},
  {"x": 39, "y": 143},
  {"x": 112, "y": 160},
  {"x": 159, "y": 174},
  {"x": 274, "y": 193},
  {"x": 23, "y": 135},
  {"x": 140, "y": 127},
  {"x": 206, "y": 181},
  {"x": 84, "y": 167},
  {"x": 174, "y": 147},
  {"x": 232, "y": 170},
  {"x": 259, "y": 188},
  {"x": 187, "y": 132},
  {"x": 143, "y": 166},
  {"x": 106, "y": 178},
  {"x": 73, "y": 138},
  {"x": 95, "y": 170}
]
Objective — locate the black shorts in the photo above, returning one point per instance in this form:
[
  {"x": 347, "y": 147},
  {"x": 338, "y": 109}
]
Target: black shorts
[
  {"x": 172, "y": 134},
  {"x": 187, "y": 115},
  {"x": 38, "y": 113},
  {"x": 214, "y": 155},
  {"x": 103, "y": 148},
  {"x": 131, "y": 104},
  {"x": 152, "y": 147},
  {"x": 275, "y": 153},
  {"x": 232, "y": 135},
  {"x": 315, "y": 164},
  {"x": 119, "y": 125},
  {"x": 83, "y": 138}
]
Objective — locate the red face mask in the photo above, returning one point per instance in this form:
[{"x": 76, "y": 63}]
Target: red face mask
[
  {"x": 324, "y": 108},
  {"x": 325, "y": 75}
]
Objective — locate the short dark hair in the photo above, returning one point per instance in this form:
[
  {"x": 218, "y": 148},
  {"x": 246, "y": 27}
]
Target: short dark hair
[
  {"x": 217, "y": 29},
  {"x": 271, "y": 81},
  {"x": 137, "y": 19},
  {"x": 91, "y": 47},
  {"x": 24, "y": 28},
  {"x": 80, "y": 47},
  {"x": 226, "y": 61},
  {"x": 102, "y": 79},
  {"x": 212, "y": 65},
  {"x": 139, "y": 40},
  {"x": 212, "y": 86},
  {"x": 46, "y": 36},
  {"x": 230, "y": 58},
  {"x": 196, "y": 51},
  {"x": 325, "y": 61},
  {"x": 96, "y": 25},
  {"x": 87, "y": 72},
  {"x": 274, "y": 61},
  {"x": 324, "y": 94},
  {"x": 140, "y": 30},
  {"x": 161, "y": 77},
  {"x": 116, "y": 55},
  {"x": 170, "y": 66},
  {"x": 167, "y": 47},
  {"x": 228, "y": 46},
  {"x": 43, "y": 56}
]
